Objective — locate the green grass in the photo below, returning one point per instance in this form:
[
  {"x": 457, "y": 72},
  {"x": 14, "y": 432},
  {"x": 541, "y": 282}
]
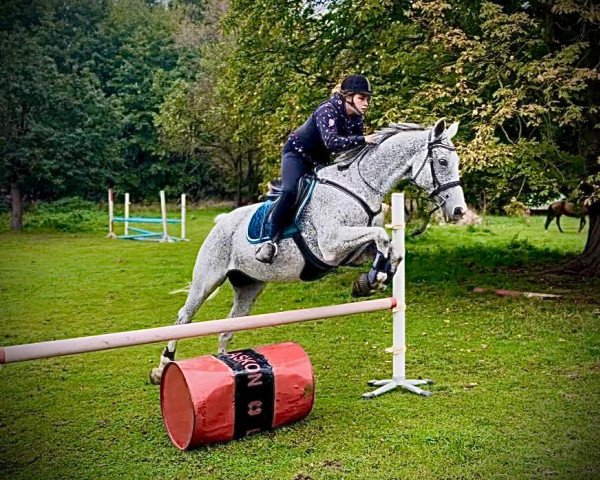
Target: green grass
[{"x": 517, "y": 391}]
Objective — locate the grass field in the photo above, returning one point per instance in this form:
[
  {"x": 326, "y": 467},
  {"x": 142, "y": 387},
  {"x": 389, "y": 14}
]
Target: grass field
[{"x": 517, "y": 392}]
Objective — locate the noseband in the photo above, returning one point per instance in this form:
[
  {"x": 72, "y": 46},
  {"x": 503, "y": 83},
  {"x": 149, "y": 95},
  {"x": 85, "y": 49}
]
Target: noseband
[{"x": 438, "y": 187}]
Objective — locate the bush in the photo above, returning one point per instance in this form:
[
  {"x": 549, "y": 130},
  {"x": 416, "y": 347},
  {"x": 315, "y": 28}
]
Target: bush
[
  {"x": 515, "y": 208},
  {"x": 65, "y": 205},
  {"x": 72, "y": 214}
]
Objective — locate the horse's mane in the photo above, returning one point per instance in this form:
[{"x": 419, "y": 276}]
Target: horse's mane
[{"x": 347, "y": 158}]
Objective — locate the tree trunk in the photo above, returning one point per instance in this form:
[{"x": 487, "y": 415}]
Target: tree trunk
[
  {"x": 588, "y": 263},
  {"x": 16, "y": 214}
]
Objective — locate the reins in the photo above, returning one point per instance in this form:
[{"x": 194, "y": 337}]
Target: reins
[{"x": 438, "y": 186}]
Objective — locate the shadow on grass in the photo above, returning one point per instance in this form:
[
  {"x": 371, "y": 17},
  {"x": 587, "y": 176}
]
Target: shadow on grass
[{"x": 432, "y": 264}]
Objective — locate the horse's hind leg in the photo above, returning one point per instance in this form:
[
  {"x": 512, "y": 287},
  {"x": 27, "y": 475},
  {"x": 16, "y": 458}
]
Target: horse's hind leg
[
  {"x": 246, "y": 291},
  {"x": 558, "y": 224},
  {"x": 208, "y": 276},
  {"x": 548, "y": 219},
  {"x": 581, "y": 224}
]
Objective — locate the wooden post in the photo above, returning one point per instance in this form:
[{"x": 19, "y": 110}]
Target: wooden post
[
  {"x": 111, "y": 214},
  {"x": 398, "y": 348},
  {"x": 126, "y": 213},
  {"x": 183, "y": 216},
  {"x": 163, "y": 212}
]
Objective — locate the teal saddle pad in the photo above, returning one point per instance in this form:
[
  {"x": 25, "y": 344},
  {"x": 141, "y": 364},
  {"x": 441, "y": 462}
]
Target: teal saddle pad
[{"x": 259, "y": 229}]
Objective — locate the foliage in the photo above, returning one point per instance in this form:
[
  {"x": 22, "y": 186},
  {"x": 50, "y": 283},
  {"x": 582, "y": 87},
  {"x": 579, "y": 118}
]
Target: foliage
[
  {"x": 65, "y": 205},
  {"x": 70, "y": 214},
  {"x": 515, "y": 208},
  {"x": 58, "y": 131},
  {"x": 521, "y": 90},
  {"x": 519, "y": 84},
  {"x": 199, "y": 117},
  {"x": 81, "y": 83},
  {"x": 141, "y": 65}
]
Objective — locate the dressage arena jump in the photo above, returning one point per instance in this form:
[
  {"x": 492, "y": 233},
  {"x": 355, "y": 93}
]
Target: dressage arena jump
[
  {"x": 140, "y": 233},
  {"x": 217, "y": 398}
]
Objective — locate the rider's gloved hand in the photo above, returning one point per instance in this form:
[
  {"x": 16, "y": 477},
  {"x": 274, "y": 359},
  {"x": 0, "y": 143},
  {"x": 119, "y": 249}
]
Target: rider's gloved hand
[{"x": 370, "y": 139}]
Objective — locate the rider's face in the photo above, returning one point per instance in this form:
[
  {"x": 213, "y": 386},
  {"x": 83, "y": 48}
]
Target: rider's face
[{"x": 360, "y": 101}]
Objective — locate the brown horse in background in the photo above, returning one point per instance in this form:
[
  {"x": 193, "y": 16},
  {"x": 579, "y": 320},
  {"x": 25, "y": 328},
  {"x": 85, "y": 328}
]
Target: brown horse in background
[{"x": 562, "y": 207}]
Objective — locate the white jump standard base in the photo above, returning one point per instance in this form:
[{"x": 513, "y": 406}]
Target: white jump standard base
[
  {"x": 388, "y": 385},
  {"x": 398, "y": 349}
]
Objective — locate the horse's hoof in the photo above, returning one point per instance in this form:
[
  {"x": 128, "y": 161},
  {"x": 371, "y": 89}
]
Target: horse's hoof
[
  {"x": 361, "y": 287},
  {"x": 156, "y": 375}
]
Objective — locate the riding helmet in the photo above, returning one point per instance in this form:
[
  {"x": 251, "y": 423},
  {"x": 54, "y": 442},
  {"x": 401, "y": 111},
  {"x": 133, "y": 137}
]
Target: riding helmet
[{"x": 356, "y": 84}]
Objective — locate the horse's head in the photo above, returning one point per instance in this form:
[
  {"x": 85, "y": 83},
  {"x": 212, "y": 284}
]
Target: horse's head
[{"x": 437, "y": 171}]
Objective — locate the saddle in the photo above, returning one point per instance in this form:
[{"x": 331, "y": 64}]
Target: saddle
[{"x": 259, "y": 228}]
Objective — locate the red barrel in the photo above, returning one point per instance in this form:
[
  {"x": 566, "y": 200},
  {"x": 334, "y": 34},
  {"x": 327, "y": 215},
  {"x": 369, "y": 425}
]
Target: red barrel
[{"x": 216, "y": 398}]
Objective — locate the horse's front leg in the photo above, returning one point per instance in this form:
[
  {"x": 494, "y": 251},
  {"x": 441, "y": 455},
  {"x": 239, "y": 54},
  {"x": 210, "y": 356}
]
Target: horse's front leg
[{"x": 349, "y": 239}]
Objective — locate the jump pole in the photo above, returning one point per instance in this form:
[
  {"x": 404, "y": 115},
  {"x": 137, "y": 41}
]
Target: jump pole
[
  {"x": 142, "y": 234},
  {"x": 163, "y": 213},
  {"x": 56, "y": 348},
  {"x": 183, "y": 216},
  {"x": 127, "y": 214},
  {"x": 398, "y": 348},
  {"x": 111, "y": 214}
]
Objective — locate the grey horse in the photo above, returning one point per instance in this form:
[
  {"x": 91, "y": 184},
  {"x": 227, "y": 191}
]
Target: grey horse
[{"x": 337, "y": 224}]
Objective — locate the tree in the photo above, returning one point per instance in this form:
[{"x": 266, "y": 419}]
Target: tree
[
  {"x": 57, "y": 129},
  {"x": 200, "y": 117},
  {"x": 522, "y": 78},
  {"x": 525, "y": 82},
  {"x": 289, "y": 55},
  {"x": 137, "y": 68}
]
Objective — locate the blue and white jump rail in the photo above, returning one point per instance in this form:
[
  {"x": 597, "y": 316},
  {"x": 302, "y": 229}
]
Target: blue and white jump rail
[{"x": 140, "y": 233}]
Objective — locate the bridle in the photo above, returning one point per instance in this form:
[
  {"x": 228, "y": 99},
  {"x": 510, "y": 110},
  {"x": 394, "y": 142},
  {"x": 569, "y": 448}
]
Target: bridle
[
  {"x": 434, "y": 195},
  {"x": 438, "y": 187}
]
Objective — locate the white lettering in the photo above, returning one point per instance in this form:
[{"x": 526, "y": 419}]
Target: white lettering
[{"x": 255, "y": 408}]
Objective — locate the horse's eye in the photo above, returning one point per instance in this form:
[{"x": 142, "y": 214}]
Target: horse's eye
[{"x": 443, "y": 162}]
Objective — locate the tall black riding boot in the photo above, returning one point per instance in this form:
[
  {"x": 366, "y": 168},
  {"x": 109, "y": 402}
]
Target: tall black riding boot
[{"x": 268, "y": 250}]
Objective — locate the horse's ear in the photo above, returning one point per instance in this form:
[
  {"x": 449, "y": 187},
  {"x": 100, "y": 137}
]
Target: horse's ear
[
  {"x": 452, "y": 130},
  {"x": 438, "y": 129}
]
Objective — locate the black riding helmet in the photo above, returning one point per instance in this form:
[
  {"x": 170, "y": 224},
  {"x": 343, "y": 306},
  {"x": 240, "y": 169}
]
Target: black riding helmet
[{"x": 356, "y": 84}]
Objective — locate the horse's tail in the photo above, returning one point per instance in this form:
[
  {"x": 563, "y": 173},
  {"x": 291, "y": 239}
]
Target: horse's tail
[{"x": 220, "y": 217}]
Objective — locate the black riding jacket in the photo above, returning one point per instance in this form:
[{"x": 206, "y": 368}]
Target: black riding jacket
[{"x": 328, "y": 130}]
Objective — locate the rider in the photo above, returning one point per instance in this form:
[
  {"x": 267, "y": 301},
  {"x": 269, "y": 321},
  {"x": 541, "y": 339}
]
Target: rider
[{"x": 336, "y": 125}]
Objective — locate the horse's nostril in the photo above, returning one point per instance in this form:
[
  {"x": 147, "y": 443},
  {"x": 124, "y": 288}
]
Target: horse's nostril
[{"x": 458, "y": 212}]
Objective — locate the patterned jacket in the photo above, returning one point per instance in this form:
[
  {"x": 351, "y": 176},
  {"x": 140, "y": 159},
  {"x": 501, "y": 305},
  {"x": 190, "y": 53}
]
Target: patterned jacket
[{"x": 328, "y": 130}]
